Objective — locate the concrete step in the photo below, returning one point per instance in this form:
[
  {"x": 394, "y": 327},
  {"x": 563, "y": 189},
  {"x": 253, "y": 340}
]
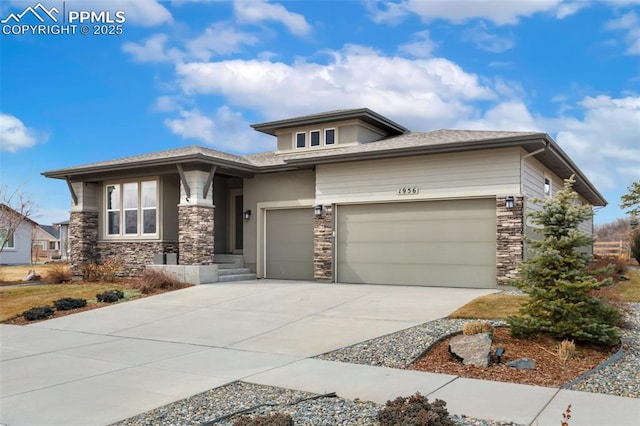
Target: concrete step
[
  {"x": 233, "y": 271},
  {"x": 226, "y": 261},
  {"x": 236, "y": 277}
]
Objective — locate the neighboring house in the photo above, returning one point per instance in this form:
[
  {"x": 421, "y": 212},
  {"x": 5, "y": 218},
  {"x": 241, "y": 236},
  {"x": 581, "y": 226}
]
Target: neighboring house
[
  {"x": 348, "y": 196},
  {"x": 45, "y": 243},
  {"x": 17, "y": 250}
]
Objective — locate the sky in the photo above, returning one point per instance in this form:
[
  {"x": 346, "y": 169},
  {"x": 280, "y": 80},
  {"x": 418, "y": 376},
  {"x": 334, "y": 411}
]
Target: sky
[{"x": 167, "y": 74}]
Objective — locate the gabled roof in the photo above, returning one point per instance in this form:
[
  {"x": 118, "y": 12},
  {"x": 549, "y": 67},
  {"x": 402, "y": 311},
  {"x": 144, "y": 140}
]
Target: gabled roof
[
  {"x": 51, "y": 230},
  {"x": 364, "y": 114},
  {"x": 6, "y": 208}
]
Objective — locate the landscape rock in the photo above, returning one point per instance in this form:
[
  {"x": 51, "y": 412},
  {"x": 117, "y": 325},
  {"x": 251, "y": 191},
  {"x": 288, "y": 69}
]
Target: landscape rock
[
  {"x": 522, "y": 364},
  {"x": 32, "y": 276},
  {"x": 474, "y": 349}
]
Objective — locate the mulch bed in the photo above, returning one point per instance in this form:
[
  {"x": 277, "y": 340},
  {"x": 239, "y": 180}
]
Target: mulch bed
[{"x": 550, "y": 371}]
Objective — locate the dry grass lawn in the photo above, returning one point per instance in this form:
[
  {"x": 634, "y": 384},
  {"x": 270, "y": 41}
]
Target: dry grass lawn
[
  {"x": 11, "y": 274},
  {"x": 15, "y": 299},
  {"x": 491, "y": 306}
]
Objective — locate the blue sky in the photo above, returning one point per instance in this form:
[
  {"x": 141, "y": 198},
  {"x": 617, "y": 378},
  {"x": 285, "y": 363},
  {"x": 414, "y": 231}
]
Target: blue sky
[{"x": 201, "y": 71}]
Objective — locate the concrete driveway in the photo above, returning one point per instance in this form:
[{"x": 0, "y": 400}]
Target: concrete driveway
[{"x": 108, "y": 364}]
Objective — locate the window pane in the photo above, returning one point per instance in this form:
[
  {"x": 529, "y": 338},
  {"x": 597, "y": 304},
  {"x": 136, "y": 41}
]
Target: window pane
[
  {"x": 131, "y": 221},
  {"x": 130, "y": 195},
  {"x": 149, "y": 194},
  {"x": 149, "y": 221},
  {"x": 300, "y": 140},
  {"x": 113, "y": 224},
  {"x": 315, "y": 138},
  {"x": 113, "y": 197},
  {"x": 329, "y": 136}
]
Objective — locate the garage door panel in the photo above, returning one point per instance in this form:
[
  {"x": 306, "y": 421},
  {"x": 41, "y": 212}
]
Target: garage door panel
[
  {"x": 289, "y": 244},
  {"x": 450, "y": 275},
  {"x": 419, "y": 243},
  {"x": 428, "y": 254}
]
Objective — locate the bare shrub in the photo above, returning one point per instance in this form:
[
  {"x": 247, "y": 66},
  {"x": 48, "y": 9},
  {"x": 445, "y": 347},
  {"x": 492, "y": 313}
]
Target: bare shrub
[
  {"x": 58, "y": 273},
  {"x": 477, "y": 327},
  {"x": 153, "y": 280},
  {"x": 106, "y": 271},
  {"x": 566, "y": 350}
]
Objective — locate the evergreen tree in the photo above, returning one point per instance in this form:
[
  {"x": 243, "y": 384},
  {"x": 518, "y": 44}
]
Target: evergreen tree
[{"x": 560, "y": 288}]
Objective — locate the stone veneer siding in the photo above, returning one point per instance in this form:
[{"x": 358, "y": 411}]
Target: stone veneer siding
[
  {"x": 323, "y": 245},
  {"x": 509, "y": 237},
  {"x": 135, "y": 254},
  {"x": 83, "y": 239},
  {"x": 195, "y": 235}
]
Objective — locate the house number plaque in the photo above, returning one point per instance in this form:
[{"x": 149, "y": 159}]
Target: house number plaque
[{"x": 408, "y": 190}]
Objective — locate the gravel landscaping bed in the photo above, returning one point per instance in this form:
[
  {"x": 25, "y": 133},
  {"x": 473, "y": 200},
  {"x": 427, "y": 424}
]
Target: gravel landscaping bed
[{"x": 397, "y": 350}]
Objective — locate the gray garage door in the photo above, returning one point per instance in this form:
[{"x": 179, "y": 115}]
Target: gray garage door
[
  {"x": 435, "y": 243},
  {"x": 289, "y": 247}
]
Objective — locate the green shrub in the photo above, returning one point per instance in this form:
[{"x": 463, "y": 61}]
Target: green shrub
[
  {"x": 275, "y": 419},
  {"x": 560, "y": 288},
  {"x": 110, "y": 296},
  {"x": 38, "y": 313},
  {"x": 67, "y": 303},
  {"x": 415, "y": 410}
]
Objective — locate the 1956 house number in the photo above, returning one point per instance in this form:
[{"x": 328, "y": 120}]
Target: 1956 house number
[{"x": 408, "y": 190}]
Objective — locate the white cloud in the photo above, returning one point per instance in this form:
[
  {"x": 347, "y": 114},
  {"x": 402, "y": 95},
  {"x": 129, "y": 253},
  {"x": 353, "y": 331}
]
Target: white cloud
[
  {"x": 485, "y": 40},
  {"x": 192, "y": 125},
  {"x": 630, "y": 23},
  {"x": 14, "y": 135},
  {"x": 146, "y": 13},
  {"x": 221, "y": 39},
  {"x": 568, "y": 9},
  {"x": 254, "y": 11},
  {"x": 508, "y": 116},
  {"x": 499, "y": 12},
  {"x": 226, "y": 130},
  {"x": 428, "y": 91},
  {"x": 421, "y": 47},
  {"x": 153, "y": 49},
  {"x": 605, "y": 140},
  {"x": 166, "y": 103}
]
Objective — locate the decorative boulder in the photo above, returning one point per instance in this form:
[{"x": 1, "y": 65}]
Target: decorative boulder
[
  {"x": 522, "y": 364},
  {"x": 32, "y": 276},
  {"x": 474, "y": 349}
]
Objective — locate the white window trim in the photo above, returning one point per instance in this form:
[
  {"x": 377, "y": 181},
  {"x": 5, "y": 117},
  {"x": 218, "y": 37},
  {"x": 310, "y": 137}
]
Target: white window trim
[
  {"x": 319, "y": 138},
  {"x": 335, "y": 136},
  {"x": 140, "y": 235},
  {"x": 295, "y": 140}
]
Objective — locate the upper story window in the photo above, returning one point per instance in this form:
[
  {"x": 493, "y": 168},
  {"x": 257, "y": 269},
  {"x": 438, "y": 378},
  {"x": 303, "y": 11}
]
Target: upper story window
[
  {"x": 329, "y": 136},
  {"x": 132, "y": 208},
  {"x": 8, "y": 241},
  {"x": 316, "y": 138}
]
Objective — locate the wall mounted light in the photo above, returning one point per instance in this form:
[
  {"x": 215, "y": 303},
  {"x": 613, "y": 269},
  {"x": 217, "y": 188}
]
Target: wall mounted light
[
  {"x": 247, "y": 214},
  {"x": 318, "y": 210},
  {"x": 509, "y": 202}
]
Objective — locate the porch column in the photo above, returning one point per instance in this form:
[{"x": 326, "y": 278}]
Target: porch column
[
  {"x": 196, "y": 217},
  {"x": 323, "y": 245},
  {"x": 509, "y": 238},
  {"x": 83, "y": 226}
]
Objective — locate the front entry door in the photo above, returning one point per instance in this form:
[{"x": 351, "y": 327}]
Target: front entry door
[{"x": 237, "y": 221}]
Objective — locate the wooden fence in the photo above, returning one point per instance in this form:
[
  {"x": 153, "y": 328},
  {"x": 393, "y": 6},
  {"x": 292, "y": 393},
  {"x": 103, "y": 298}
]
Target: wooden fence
[{"x": 612, "y": 249}]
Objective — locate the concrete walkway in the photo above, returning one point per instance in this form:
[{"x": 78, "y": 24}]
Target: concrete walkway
[{"x": 101, "y": 366}]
